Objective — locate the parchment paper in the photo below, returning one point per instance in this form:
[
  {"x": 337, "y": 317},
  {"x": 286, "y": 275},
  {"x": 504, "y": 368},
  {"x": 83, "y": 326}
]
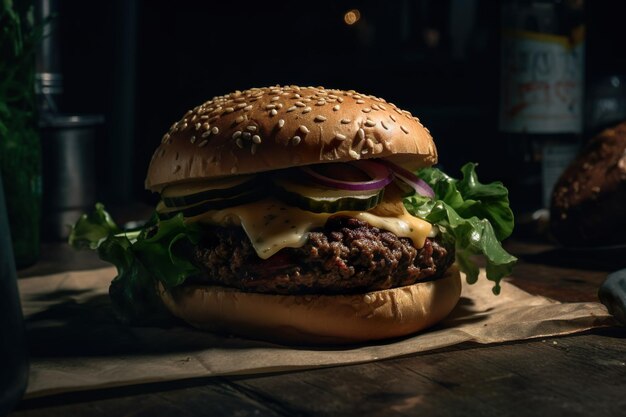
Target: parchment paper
[{"x": 77, "y": 344}]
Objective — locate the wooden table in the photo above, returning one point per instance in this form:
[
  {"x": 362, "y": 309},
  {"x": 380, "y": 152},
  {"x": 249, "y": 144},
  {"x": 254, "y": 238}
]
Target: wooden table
[{"x": 580, "y": 375}]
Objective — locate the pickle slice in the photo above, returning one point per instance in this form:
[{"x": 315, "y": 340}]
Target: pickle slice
[
  {"x": 214, "y": 204},
  {"x": 321, "y": 199},
  {"x": 190, "y": 193}
]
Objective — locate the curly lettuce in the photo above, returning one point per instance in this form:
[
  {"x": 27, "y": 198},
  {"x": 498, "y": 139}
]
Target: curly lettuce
[
  {"x": 141, "y": 257},
  {"x": 475, "y": 217}
]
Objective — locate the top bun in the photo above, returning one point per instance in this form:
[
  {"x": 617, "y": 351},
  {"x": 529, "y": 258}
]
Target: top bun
[{"x": 270, "y": 128}]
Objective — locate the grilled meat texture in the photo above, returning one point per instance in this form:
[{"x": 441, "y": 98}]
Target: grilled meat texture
[{"x": 346, "y": 256}]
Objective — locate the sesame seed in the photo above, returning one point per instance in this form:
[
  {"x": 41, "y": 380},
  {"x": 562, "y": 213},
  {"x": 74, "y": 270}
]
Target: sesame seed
[
  {"x": 240, "y": 119},
  {"x": 321, "y": 103},
  {"x": 233, "y": 170},
  {"x": 392, "y": 117},
  {"x": 290, "y": 109},
  {"x": 304, "y": 129},
  {"x": 246, "y": 135},
  {"x": 275, "y": 98},
  {"x": 404, "y": 129},
  {"x": 166, "y": 137},
  {"x": 198, "y": 125},
  {"x": 354, "y": 154},
  {"x": 364, "y": 151},
  {"x": 251, "y": 128},
  {"x": 176, "y": 169},
  {"x": 281, "y": 123},
  {"x": 356, "y": 96},
  {"x": 366, "y": 110},
  {"x": 183, "y": 127},
  {"x": 370, "y": 123},
  {"x": 339, "y": 136},
  {"x": 279, "y": 106},
  {"x": 375, "y": 107},
  {"x": 237, "y": 134},
  {"x": 248, "y": 107},
  {"x": 369, "y": 143},
  {"x": 336, "y": 107},
  {"x": 360, "y": 101},
  {"x": 241, "y": 105},
  {"x": 253, "y": 148},
  {"x": 203, "y": 143},
  {"x": 215, "y": 130},
  {"x": 206, "y": 126},
  {"x": 382, "y": 106},
  {"x": 240, "y": 99},
  {"x": 320, "y": 118},
  {"x": 340, "y": 99},
  {"x": 229, "y": 110},
  {"x": 204, "y": 116},
  {"x": 345, "y": 121},
  {"x": 295, "y": 140},
  {"x": 256, "y": 139},
  {"x": 296, "y": 95},
  {"x": 270, "y": 106},
  {"x": 361, "y": 134},
  {"x": 193, "y": 139},
  {"x": 300, "y": 104},
  {"x": 306, "y": 110},
  {"x": 384, "y": 125},
  {"x": 273, "y": 112},
  {"x": 239, "y": 143},
  {"x": 206, "y": 134}
]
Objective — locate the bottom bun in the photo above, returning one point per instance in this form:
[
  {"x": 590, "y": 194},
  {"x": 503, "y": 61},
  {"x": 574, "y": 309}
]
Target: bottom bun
[{"x": 317, "y": 319}]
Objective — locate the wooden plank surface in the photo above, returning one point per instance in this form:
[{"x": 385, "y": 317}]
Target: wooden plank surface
[{"x": 576, "y": 376}]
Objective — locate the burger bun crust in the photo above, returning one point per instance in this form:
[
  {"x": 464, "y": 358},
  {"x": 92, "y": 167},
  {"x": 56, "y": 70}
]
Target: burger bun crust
[
  {"x": 317, "y": 319},
  {"x": 264, "y": 129}
]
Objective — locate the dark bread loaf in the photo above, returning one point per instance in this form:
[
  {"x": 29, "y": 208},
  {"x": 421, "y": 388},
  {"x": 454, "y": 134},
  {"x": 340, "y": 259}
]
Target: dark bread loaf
[{"x": 589, "y": 200}]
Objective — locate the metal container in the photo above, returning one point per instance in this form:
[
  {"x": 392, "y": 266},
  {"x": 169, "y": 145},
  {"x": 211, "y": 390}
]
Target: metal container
[{"x": 68, "y": 174}]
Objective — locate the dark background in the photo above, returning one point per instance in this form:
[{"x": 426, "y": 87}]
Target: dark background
[{"x": 142, "y": 64}]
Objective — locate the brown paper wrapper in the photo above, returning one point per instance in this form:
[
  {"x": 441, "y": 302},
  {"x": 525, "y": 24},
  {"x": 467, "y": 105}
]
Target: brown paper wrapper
[{"x": 77, "y": 344}]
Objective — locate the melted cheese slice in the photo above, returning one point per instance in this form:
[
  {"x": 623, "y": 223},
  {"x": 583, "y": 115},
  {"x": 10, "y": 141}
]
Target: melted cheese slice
[{"x": 272, "y": 225}]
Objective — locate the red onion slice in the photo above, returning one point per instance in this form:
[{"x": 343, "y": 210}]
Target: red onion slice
[
  {"x": 419, "y": 185},
  {"x": 380, "y": 177}
]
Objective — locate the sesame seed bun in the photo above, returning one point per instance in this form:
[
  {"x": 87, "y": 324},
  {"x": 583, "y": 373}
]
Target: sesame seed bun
[
  {"x": 317, "y": 319},
  {"x": 264, "y": 129}
]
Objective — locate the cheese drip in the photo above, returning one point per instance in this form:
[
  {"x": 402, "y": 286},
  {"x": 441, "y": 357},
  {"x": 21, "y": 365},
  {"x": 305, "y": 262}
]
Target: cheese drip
[{"x": 272, "y": 225}]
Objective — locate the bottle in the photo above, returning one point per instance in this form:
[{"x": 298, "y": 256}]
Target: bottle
[
  {"x": 14, "y": 369},
  {"x": 541, "y": 94}
]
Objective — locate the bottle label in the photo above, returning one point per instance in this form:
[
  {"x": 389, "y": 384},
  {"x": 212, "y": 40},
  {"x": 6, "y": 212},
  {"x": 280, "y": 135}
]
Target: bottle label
[{"x": 542, "y": 82}]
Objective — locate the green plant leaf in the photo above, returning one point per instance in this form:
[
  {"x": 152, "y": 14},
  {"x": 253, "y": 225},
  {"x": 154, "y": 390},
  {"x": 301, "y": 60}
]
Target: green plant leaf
[{"x": 475, "y": 216}]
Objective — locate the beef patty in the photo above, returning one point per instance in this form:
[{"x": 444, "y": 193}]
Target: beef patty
[{"x": 346, "y": 256}]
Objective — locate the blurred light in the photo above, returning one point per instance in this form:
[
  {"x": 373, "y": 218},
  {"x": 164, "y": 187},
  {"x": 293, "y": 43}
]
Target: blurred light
[{"x": 352, "y": 16}]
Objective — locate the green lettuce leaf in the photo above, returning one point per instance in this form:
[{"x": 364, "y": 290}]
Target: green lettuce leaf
[
  {"x": 142, "y": 257},
  {"x": 472, "y": 215}
]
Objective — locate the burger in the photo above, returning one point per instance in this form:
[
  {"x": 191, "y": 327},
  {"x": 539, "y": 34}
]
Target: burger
[{"x": 302, "y": 215}]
